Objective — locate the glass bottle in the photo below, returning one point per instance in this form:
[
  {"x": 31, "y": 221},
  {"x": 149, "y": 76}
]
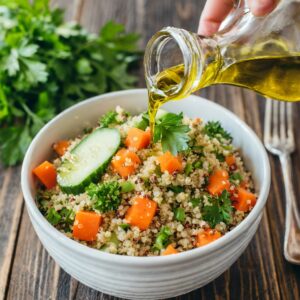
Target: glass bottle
[{"x": 258, "y": 53}]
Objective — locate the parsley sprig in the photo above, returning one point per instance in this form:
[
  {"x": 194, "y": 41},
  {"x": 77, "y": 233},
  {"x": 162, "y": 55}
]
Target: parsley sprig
[
  {"x": 172, "y": 133},
  {"x": 218, "y": 210},
  {"x": 214, "y": 130},
  {"x": 47, "y": 65}
]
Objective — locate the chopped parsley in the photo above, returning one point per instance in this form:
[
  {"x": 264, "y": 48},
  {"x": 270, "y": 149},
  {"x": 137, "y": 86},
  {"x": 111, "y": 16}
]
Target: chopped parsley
[
  {"x": 64, "y": 217},
  {"x": 108, "y": 119},
  {"x": 53, "y": 216},
  {"x": 195, "y": 202},
  {"x": 176, "y": 189},
  {"x": 214, "y": 130},
  {"x": 124, "y": 226},
  {"x": 106, "y": 196},
  {"x": 188, "y": 169},
  {"x": 172, "y": 133},
  {"x": 144, "y": 123},
  {"x": 219, "y": 210},
  {"x": 235, "y": 178}
]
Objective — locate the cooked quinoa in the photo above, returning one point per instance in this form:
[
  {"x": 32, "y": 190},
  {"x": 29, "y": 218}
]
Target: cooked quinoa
[{"x": 185, "y": 208}]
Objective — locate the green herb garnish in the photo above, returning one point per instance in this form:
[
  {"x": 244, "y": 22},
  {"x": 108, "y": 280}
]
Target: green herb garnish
[
  {"x": 188, "y": 169},
  {"x": 235, "y": 178},
  {"x": 195, "y": 201},
  {"x": 162, "y": 239},
  {"x": 219, "y": 210},
  {"x": 47, "y": 65},
  {"x": 106, "y": 196},
  {"x": 172, "y": 133},
  {"x": 108, "y": 119},
  {"x": 124, "y": 226},
  {"x": 198, "y": 164},
  {"x": 214, "y": 130},
  {"x": 176, "y": 189},
  {"x": 179, "y": 214},
  {"x": 53, "y": 216},
  {"x": 144, "y": 123}
]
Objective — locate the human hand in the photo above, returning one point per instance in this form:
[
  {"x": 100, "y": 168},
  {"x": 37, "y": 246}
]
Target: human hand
[{"x": 215, "y": 11}]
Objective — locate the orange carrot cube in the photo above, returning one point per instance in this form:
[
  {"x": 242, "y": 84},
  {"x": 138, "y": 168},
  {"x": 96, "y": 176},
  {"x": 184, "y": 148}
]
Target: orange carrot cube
[
  {"x": 46, "y": 173},
  {"x": 170, "y": 163},
  {"x": 170, "y": 250},
  {"x": 125, "y": 162},
  {"x": 141, "y": 213},
  {"x": 244, "y": 200},
  {"x": 86, "y": 225},
  {"x": 61, "y": 147},
  {"x": 218, "y": 182},
  {"x": 207, "y": 236},
  {"x": 137, "y": 139}
]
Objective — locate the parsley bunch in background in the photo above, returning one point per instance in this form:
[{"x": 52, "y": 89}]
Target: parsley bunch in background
[{"x": 47, "y": 65}]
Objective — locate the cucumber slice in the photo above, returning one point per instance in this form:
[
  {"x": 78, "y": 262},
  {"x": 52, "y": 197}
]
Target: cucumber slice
[{"x": 88, "y": 160}]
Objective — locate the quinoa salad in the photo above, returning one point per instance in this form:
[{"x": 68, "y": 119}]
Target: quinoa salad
[{"x": 118, "y": 188}]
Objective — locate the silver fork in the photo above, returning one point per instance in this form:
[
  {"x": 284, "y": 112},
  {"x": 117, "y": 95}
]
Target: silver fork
[{"x": 279, "y": 140}]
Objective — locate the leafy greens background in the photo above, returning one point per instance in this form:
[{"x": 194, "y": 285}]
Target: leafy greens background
[{"x": 47, "y": 65}]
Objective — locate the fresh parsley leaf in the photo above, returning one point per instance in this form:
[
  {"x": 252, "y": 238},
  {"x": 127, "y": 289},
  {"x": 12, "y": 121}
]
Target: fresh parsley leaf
[
  {"x": 144, "y": 123},
  {"x": 198, "y": 164},
  {"x": 235, "y": 178},
  {"x": 124, "y": 226},
  {"x": 162, "y": 238},
  {"x": 219, "y": 156},
  {"x": 214, "y": 130},
  {"x": 188, "y": 169},
  {"x": 172, "y": 133},
  {"x": 108, "y": 119},
  {"x": 53, "y": 216},
  {"x": 180, "y": 214},
  {"x": 176, "y": 189},
  {"x": 219, "y": 210},
  {"x": 47, "y": 65},
  {"x": 106, "y": 196},
  {"x": 195, "y": 202}
]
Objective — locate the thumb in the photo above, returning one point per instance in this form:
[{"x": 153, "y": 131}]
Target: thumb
[{"x": 261, "y": 7}]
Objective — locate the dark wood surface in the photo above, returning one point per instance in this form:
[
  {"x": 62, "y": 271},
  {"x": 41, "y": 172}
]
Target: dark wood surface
[{"x": 27, "y": 271}]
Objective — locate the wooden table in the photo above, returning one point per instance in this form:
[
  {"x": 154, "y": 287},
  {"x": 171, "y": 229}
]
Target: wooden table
[{"x": 26, "y": 270}]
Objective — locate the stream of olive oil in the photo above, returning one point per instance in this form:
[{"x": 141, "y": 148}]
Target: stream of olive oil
[{"x": 274, "y": 77}]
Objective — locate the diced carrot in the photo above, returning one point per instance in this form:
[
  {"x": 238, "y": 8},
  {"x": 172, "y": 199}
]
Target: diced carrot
[
  {"x": 137, "y": 139},
  {"x": 244, "y": 200},
  {"x": 46, "y": 173},
  {"x": 170, "y": 250},
  {"x": 141, "y": 212},
  {"x": 218, "y": 182},
  {"x": 170, "y": 163},
  {"x": 61, "y": 147},
  {"x": 206, "y": 237},
  {"x": 86, "y": 225},
  {"x": 230, "y": 160},
  {"x": 125, "y": 162}
]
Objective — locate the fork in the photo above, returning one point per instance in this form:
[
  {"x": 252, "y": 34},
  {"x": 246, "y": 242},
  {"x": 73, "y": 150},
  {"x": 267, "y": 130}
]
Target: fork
[{"x": 279, "y": 140}]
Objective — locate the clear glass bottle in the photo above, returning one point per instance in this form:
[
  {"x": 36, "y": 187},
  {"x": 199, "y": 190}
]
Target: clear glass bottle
[{"x": 259, "y": 53}]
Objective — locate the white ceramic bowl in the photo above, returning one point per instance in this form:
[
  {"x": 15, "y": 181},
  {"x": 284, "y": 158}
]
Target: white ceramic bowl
[{"x": 145, "y": 277}]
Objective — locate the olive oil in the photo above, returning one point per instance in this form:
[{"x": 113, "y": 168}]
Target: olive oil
[{"x": 275, "y": 77}]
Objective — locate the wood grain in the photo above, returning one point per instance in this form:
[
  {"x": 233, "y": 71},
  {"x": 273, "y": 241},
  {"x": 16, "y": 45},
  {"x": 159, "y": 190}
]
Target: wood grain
[{"x": 26, "y": 270}]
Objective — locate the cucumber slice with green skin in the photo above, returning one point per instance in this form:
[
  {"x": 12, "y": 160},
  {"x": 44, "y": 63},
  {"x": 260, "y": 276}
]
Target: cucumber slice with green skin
[{"x": 88, "y": 160}]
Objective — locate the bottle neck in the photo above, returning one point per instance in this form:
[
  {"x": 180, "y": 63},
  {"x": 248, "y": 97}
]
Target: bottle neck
[{"x": 176, "y": 63}]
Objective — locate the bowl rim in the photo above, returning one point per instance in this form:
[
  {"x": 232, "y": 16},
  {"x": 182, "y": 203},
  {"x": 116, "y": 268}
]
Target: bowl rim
[{"x": 143, "y": 260}]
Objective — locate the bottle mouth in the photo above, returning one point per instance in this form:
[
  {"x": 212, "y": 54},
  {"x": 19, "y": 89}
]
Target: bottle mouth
[{"x": 172, "y": 63}]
